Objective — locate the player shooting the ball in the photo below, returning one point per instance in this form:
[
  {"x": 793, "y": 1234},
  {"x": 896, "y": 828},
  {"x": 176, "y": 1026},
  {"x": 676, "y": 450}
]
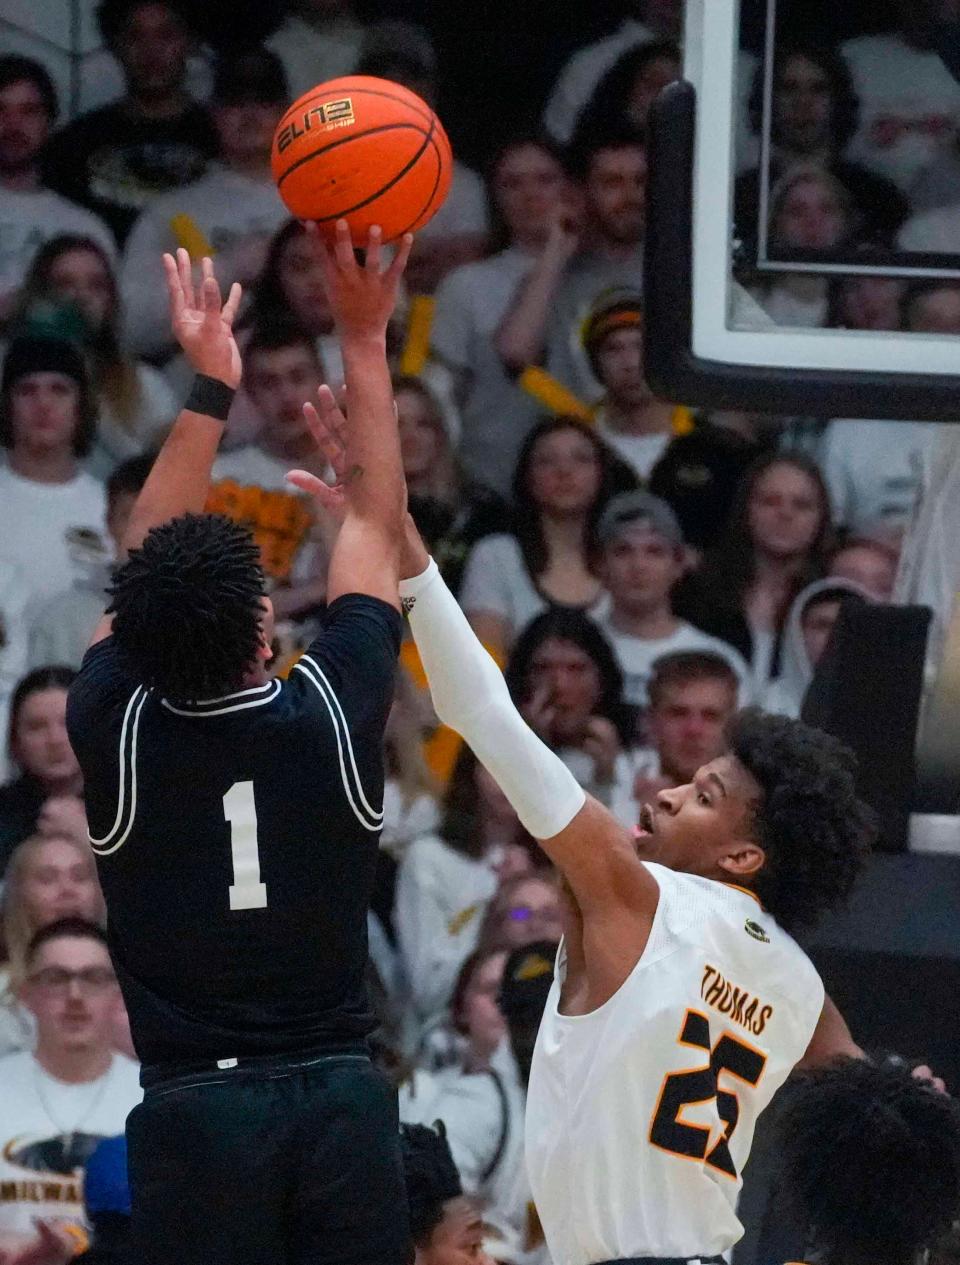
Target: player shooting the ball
[{"x": 235, "y": 822}]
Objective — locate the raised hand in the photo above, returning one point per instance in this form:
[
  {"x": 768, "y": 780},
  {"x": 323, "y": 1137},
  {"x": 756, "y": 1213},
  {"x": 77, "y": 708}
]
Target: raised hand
[
  {"x": 202, "y": 323},
  {"x": 327, "y": 425},
  {"x": 361, "y": 296}
]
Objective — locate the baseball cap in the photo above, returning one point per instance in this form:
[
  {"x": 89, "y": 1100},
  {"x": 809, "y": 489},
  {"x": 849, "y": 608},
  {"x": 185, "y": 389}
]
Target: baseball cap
[
  {"x": 639, "y": 509},
  {"x": 255, "y": 76},
  {"x": 527, "y": 977}
]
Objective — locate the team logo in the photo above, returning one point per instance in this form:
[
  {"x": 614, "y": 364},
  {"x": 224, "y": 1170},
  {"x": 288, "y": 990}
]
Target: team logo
[
  {"x": 319, "y": 118},
  {"x": 754, "y": 929},
  {"x": 407, "y": 604}
]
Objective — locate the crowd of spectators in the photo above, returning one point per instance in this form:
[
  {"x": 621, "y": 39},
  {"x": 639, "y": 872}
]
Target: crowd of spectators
[{"x": 639, "y": 570}]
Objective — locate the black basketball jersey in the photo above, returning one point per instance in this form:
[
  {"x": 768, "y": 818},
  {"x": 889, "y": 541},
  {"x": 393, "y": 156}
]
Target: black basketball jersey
[{"x": 236, "y": 842}]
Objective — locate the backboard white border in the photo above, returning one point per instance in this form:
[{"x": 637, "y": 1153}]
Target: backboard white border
[{"x": 711, "y": 49}]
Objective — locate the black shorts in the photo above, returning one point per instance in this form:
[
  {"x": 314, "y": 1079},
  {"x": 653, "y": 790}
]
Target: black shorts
[{"x": 273, "y": 1162}]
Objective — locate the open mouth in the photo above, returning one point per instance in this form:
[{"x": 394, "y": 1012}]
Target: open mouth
[{"x": 645, "y": 821}]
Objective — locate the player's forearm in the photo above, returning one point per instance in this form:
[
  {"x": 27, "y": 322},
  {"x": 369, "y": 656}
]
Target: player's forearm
[
  {"x": 471, "y": 696},
  {"x": 179, "y": 481},
  {"x": 374, "y": 468}
]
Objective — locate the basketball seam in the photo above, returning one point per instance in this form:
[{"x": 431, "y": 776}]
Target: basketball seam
[
  {"x": 339, "y": 215},
  {"x": 370, "y": 92},
  {"x": 433, "y": 193}
]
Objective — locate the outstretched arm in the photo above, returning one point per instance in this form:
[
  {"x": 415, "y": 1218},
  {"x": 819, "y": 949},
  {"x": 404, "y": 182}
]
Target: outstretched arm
[
  {"x": 366, "y": 555},
  {"x": 180, "y": 478},
  {"x": 592, "y": 849}
]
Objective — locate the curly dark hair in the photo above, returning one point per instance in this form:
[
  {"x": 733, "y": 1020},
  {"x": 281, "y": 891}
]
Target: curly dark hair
[
  {"x": 607, "y": 108},
  {"x": 187, "y": 607},
  {"x": 814, "y": 829},
  {"x": 871, "y": 1162},
  {"x": 430, "y": 1176}
]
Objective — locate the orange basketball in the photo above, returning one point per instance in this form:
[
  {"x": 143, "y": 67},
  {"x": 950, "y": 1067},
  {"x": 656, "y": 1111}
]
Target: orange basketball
[{"x": 364, "y": 150}]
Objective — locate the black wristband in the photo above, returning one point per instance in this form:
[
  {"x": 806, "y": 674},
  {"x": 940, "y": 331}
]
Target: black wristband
[{"x": 211, "y": 397}]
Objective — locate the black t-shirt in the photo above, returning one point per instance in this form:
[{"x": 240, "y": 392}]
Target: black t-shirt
[
  {"x": 114, "y": 162},
  {"x": 20, "y": 804},
  {"x": 236, "y": 842}
]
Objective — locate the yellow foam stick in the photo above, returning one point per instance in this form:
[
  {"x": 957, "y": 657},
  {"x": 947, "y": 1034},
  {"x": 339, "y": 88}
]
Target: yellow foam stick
[
  {"x": 553, "y": 395},
  {"x": 417, "y": 345},
  {"x": 190, "y": 236},
  {"x": 682, "y": 421}
]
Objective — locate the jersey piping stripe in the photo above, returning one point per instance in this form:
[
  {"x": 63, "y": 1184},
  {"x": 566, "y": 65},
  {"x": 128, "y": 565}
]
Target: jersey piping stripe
[
  {"x": 100, "y": 846},
  {"x": 225, "y": 698},
  {"x": 273, "y": 686},
  {"x": 323, "y": 690},
  {"x": 343, "y": 721}
]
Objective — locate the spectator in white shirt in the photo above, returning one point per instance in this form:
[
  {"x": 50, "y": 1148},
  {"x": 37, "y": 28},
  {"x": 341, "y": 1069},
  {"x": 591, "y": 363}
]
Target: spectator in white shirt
[
  {"x": 62, "y": 628},
  {"x": 909, "y": 101},
  {"x": 47, "y": 877},
  {"x": 528, "y": 190},
  {"x": 693, "y": 694},
  {"x": 564, "y": 478},
  {"x": 643, "y": 559},
  {"x": 445, "y": 881},
  {"x": 51, "y": 511},
  {"x": 58, "y": 1101},
  {"x": 874, "y": 469},
  {"x": 317, "y": 40},
  {"x": 458, "y": 231},
  {"x": 234, "y": 207},
  {"x": 810, "y": 211},
  {"x": 136, "y": 404},
  {"x": 29, "y": 213},
  {"x": 566, "y": 681},
  {"x": 630, "y": 418}
]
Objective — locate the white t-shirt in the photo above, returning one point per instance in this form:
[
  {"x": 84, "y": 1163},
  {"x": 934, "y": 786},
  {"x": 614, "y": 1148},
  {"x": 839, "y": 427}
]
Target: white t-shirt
[
  {"x": 626, "y": 1156},
  {"x": 637, "y": 655},
  {"x": 234, "y": 212},
  {"x": 52, "y": 531},
  {"x": 640, "y": 452},
  {"x": 471, "y": 302},
  {"x": 909, "y": 106},
  {"x": 28, "y": 219},
  {"x": 117, "y": 442},
  {"x": 402, "y": 821},
  {"x": 464, "y": 209},
  {"x": 874, "y": 469},
  {"x": 936, "y": 231},
  {"x": 785, "y": 306},
  {"x": 48, "y": 1131},
  {"x": 250, "y": 486},
  {"x": 440, "y": 902},
  {"x": 497, "y": 581},
  {"x": 314, "y": 54}
]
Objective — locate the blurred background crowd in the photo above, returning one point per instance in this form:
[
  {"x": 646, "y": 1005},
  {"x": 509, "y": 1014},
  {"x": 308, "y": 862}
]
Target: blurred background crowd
[{"x": 640, "y": 569}]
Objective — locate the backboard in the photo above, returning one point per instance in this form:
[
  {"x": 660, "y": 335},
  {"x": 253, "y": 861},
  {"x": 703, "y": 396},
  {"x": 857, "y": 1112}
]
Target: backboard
[{"x": 712, "y": 340}]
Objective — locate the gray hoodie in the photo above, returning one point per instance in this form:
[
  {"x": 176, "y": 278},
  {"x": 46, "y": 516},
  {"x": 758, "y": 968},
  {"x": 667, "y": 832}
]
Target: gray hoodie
[{"x": 784, "y": 696}]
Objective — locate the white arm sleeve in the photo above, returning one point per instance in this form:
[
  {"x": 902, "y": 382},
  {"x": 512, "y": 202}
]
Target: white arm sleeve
[{"x": 471, "y": 696}]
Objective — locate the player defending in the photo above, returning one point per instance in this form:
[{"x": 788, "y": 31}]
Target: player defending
[
  {"x": 681, "y": 1002},
  {"x": 235, "y": 821}
]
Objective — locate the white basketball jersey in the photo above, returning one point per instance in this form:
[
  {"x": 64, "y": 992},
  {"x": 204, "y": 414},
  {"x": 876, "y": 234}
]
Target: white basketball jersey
[{"x": 640, "y": 1115}]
